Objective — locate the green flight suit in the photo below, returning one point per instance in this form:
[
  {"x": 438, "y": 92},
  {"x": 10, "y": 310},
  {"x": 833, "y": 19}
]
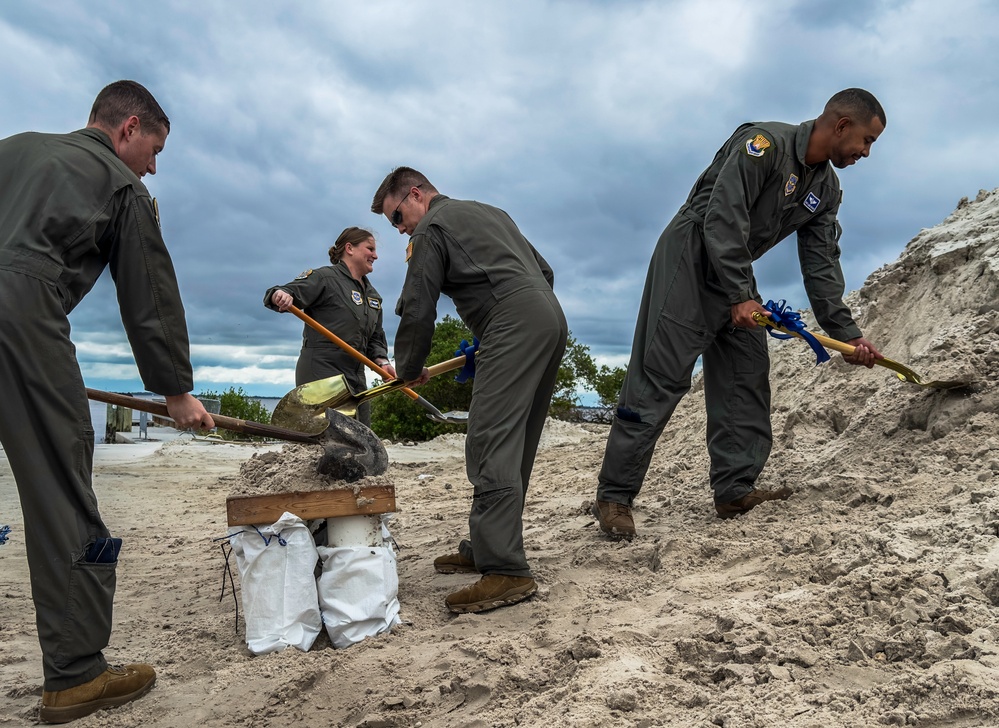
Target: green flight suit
[
  {"x": 756, "y": 192},
  {"x": 502, "y": 289},
  {"x": 349, "y": 308},
  {"x": 68, "y": 209}
]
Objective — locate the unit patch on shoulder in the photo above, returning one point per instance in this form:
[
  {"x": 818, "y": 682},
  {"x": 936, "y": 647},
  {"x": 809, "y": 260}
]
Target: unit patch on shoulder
[
  {"x": 791, "y": 183},
  {"x": 304, "y": 274},
  {"x": 374, "y": 302},
  {"x": 757, "y": 145},
  {"x": 812, "y": 202},
  {"x": 409, "y": 250},
  {"x": 156, "y": 214},
  {"x": 355, "y": 296}
]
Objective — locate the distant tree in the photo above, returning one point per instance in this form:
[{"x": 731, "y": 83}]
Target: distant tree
[
  {"x": 395, "y": 416},
  {"x": 235, "y": 403},
  {"x": 607, "y": 383},
  {"x": 577, "y": 369}
]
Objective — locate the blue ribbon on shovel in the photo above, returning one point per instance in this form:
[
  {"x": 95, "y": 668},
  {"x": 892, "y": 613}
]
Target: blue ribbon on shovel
[
  {"x": 468, "y": 370},
  {"x": 790, "y": 319}
]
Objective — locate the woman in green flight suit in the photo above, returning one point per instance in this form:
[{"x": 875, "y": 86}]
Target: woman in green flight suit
[{"x": 340, "y": 297}]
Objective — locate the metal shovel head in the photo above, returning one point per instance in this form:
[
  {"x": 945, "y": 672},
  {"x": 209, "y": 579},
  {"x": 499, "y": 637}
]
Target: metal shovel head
[{"x": 304, "y": 407}]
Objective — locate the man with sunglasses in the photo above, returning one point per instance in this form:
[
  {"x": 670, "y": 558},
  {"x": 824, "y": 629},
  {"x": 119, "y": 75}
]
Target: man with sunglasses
[
  {"x": 502, "y": 289},
  {"x": 767, "y": 181}
]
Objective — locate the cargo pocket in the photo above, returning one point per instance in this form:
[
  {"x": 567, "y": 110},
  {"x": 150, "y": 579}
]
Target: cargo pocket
[{"x": 86, "y": 626}]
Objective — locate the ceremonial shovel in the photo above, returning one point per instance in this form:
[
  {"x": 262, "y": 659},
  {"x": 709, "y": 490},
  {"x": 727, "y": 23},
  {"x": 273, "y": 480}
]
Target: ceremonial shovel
[
  {"x": 229, "y": 423},
  {"x": 450, "y": 418},
  {"x": 901, "y": 370},
  {"x": 304, "y": 407}
]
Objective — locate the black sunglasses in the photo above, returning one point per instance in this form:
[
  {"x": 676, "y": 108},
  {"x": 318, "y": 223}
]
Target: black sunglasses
[{"x": 396, "y": 215}]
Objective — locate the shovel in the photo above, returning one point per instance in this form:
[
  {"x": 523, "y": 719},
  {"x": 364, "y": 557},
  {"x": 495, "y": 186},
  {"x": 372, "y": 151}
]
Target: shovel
[
  {"x": 229, "y": 423},
  {"x": 901, "y": 370},
  {"x": 304, "y": 408},
  {"x": 453, "y": 418}
]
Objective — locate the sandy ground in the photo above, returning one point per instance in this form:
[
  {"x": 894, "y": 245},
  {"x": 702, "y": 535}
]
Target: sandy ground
[{"x": 871, "y": 597}]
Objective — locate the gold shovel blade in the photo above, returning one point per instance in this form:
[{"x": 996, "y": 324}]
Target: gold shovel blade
[{"x": 304, "y": 407}]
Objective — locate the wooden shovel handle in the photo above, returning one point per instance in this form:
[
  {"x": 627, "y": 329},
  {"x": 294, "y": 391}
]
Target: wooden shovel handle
[
  {"x": 229, "y": 423},
  {"x": 309, "y": 321}
]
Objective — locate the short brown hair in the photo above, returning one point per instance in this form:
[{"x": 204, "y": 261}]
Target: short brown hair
[
  {"x": 119, "y": 100},
  {"x": 352, "y": 235},
  {"x": 399, "y": 179},
  {"x": 857, "y": 104}
]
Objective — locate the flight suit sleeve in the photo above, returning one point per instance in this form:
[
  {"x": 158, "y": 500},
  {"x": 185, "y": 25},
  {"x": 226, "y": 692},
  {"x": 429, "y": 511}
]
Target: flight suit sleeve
[
  {"x": 727, "y": 216},
  {"x": 306, "y": 290},
  {"x": 546, "y": 270},
  {"x": 417, "y": 306},
  {"x": 149, "y": 298},
  {"x": 818, "y": 254}
]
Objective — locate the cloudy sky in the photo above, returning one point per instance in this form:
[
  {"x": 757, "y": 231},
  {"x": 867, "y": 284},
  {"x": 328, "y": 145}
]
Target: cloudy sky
[{"x": 587, "y": 121}]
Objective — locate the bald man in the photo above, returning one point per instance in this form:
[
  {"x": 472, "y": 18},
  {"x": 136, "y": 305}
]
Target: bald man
[{"x": 768, "y": 180}]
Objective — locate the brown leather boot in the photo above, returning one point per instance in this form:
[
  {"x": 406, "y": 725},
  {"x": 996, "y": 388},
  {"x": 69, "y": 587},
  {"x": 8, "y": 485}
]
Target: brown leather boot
[
  {"x": 615, "y": 519},
  {"x": 454, "y": 564},
  {"x": 491, "y": 591},
  {"x": 749, "y": 501},
  {"x": 114, "y": 686}
]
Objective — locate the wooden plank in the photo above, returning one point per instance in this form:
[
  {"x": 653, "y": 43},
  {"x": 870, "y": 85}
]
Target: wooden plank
[{"x": 265, "y": 509}]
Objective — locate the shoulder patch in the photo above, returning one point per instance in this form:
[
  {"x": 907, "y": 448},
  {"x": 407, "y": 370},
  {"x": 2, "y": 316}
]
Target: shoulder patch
[
  {"x": 757, "y": 145},
  {"x": 304, "y": 274},
  {"x": 812, "y": 202},
  {"x": 156, "y": 214},
  {"x": 409, "y": 250},
  {"x": 355, "y": 296}
]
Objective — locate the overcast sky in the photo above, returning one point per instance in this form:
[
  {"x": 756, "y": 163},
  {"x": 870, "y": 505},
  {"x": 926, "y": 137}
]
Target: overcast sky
[{"x": 587, "y": 121}]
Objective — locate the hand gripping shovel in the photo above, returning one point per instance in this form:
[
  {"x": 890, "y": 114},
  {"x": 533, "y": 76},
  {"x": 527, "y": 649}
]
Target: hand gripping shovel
[
  {"x": 229, "y": 423},
  {"x": 901, "y": 370},
  {"x": 304, "y": 408},
  {"x": 451, "y": 418}
]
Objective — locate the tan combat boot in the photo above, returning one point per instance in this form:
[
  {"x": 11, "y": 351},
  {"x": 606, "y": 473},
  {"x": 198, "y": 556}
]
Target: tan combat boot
[
  {"x": 114, "y": 686},
  {"x": 454, "y": 564},
  {"x": 491, "y": 591},
  {"x": 749, "y": 501},
  {"x": 615, "y": 519}
]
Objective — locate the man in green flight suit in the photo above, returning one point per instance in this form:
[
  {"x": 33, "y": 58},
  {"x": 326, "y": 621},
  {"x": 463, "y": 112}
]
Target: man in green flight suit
[
  {"x": 768, "y": 180},
  {"x": 71, "y": 205},
  {"x": 502, "y": 289}
]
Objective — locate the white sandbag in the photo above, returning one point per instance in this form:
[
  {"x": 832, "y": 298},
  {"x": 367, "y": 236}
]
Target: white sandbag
[
  {"x": 278, "y": 584},
  {"x": 358, "y": 591}
]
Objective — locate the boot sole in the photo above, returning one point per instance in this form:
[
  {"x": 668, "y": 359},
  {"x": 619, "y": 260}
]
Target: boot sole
[
  {"x": 74, "y": 712},
  {"x": 456, "y": 570},
  {"x": 487, "y": 604}
]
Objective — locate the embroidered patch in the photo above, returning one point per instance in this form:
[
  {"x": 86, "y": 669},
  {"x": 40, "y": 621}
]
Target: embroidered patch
[
  {"x": 356, "y": 297},
  {"x": 375, "y": 302},
  {"x": 304, "y": 274},
  {"x": 789, "y": 186},
  {"x": 409, "y": 250},
  {"x": 757, "y": 145},
  {"x": 156, "y": 213},
  {"x": 812, "y": 202}
]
